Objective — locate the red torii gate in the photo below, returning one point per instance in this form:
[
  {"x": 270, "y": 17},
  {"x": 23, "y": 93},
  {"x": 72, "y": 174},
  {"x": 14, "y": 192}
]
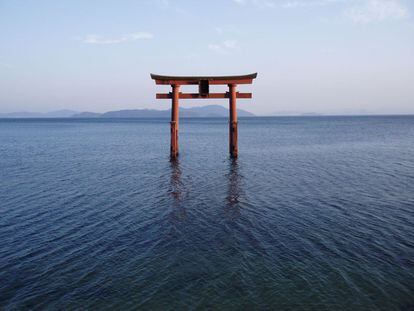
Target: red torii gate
[{"x": 204, "y": 83}]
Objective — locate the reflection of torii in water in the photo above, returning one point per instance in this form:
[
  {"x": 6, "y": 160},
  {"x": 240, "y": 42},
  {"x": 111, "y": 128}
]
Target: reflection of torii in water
[
  {"x": 234, "y": 185},
  {"x": 176, "y": 190},
  {"x": 176, "y": 183},
  {"x": 234, "y": 190},
  {"x": 204, "y": 83}
]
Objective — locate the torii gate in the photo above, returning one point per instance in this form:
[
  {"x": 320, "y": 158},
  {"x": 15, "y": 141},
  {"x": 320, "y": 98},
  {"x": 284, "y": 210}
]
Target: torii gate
[{"x": 203, "y": 83}]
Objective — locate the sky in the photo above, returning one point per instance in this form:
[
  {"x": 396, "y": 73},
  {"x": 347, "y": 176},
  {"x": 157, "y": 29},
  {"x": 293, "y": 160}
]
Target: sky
[{"x": 312, "y": 56}]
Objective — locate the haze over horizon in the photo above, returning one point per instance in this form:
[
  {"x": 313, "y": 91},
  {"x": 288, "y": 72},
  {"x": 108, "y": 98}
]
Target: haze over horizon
[{"x": 322, "y": 56}]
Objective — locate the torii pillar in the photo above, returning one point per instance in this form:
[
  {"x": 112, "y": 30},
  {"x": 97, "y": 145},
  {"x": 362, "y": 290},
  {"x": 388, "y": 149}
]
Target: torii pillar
[
  {"x": 204, "y": 83},
  {"x": 233, "y": 145},
  {"x": 174, "y": 121}
]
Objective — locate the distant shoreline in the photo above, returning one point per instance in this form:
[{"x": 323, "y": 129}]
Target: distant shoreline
[
  {"x": 197, "y": 112},
  {"x": 206, "y": 117}
]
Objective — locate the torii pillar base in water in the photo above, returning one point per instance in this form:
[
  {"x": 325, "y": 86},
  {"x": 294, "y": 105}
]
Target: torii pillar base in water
[
  {"x": 204, "y": 83},
  {"x": 233, "y": 146},
  {"x": 174, "y": 121}
]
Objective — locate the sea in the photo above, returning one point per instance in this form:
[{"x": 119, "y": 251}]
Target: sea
[{"x": 317, "y": 213}]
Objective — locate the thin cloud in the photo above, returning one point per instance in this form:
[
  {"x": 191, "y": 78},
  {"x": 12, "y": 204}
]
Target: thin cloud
[
  {"x": 231, "y": 44},
  {"x": 257, "y": 3},
  {"x": 163, "y": 3},
  {"x": 376, "y": 11},
  {"x": 286, "y": 3},
  {"x": 263, "y": 4},
  {"x": 217, "y": 48},
  {"x": 227, "y": 31},
  {"x": 358, "y": 11},
  {"x": 169, "y": 5},
  {"x": 301, "y": 3},
  {"x": 225, "y": 47},
  {"x": 5, "y": 65},
  {"x": 98, "y": 39},
  {"x": 219, "y": 30}
]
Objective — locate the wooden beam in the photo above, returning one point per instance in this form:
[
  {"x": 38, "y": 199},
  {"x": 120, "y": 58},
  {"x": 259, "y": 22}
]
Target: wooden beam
[
  {"x": 198, "y": 96},
  {"x": 211, "y": 82},
  {"x": 199, "y": 78},
  {"x": 186, "y": 80}
]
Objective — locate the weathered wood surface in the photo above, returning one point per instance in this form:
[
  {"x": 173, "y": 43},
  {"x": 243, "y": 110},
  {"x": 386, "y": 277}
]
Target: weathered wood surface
[
  {"x": 234, "y": 149},
  {"x": 174, "y": 121},
  {"x": 181, "y": 80},
  {"x": 197, "y": 95}
]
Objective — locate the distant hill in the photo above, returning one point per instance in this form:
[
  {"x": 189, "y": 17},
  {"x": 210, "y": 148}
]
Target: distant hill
[
  {"x": 194, "y": 112},
  {"x": 212, "y": 111},
  {"x": 86, "y": 114},
  {"x": 288, "y": 113},
  {"x": 135, "y": 113},
  {"x": 53, "y": 114}
]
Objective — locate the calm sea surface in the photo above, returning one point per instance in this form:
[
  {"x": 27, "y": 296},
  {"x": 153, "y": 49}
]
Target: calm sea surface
[{"x": 317, "y": 213}]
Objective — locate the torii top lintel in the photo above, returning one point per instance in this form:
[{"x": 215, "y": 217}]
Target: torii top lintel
[{"x": 186, "y": 80}]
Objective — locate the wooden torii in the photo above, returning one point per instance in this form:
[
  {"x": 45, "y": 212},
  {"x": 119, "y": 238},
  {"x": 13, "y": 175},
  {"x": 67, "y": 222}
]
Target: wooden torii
[{"x": 204, "y": 83}]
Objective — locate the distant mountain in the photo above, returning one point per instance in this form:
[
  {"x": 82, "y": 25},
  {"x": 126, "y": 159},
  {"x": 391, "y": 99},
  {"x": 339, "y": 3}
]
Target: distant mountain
[
  {"x": 53, "y": 114},
  {"x": 136, "y": 113},
  {"x": 288, "y": 113},
  {"x": 86, "y": 114},
  {"x": 311, "y": 114},
  {"x": 211, "y": 111},
  {"x": 194, "y": 112}
]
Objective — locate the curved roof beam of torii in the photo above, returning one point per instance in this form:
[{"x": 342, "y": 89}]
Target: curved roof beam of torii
[{"x": 181, "y": 80}]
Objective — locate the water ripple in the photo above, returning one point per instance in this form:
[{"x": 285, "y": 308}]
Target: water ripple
[{"x": 317, "y": 213}]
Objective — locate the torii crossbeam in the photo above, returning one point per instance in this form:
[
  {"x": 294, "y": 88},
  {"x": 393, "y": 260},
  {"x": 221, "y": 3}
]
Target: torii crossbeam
[{"x": 204, "y": 83}]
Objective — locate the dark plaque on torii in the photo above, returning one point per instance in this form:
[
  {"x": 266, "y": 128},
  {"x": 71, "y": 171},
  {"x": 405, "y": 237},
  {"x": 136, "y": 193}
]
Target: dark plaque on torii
[{"x": 204, "y": 83}]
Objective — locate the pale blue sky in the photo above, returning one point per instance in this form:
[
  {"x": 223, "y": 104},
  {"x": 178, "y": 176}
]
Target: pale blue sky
[{"x": 327, "y": 56}]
